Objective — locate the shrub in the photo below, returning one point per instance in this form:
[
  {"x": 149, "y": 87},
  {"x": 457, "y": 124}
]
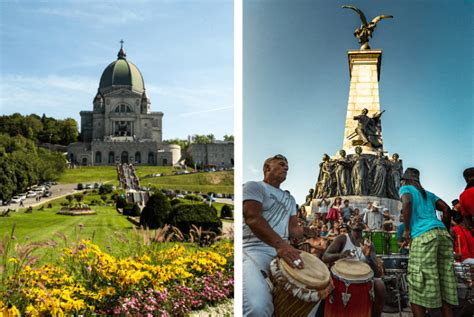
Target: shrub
[
  {"x": 175, "y": 201},
  {"x": 95, "y": 202},
  {"x": 79, "y": 197},
  {"x": 50, "y": 206},
  {"x": 156, "y": 212},
  {"x": 226, "y": 212},
  {"x": 131, "y": 210},
  {"x": 69, "y": 198},
  {"x": 106, "y": 189},
  {"x": 200, "y": 215},
  {"x": 193, "y": 197},
  {"x": 80, "y": 186},
  {"x": 103, "y": 197}
]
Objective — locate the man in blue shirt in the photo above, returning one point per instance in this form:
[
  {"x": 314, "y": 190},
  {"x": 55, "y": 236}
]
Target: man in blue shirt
[{"x": 431, "y": 280}]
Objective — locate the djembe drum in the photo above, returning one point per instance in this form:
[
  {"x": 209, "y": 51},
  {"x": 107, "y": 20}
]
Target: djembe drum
[
  {"x": 296, "y": 292},
  {"x": 353, "y": 293}
]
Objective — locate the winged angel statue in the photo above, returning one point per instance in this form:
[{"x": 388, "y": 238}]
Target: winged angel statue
[{"x": 364, "y": 32}]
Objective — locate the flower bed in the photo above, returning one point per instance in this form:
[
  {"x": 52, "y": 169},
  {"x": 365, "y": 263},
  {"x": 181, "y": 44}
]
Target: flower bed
[{"x": 88, "y": 281}]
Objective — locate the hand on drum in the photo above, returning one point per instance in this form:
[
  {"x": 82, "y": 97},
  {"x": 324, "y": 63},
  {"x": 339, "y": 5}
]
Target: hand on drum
[
  {"x": 367, "y": 248},
  {"x": 347, "y": 254},
  {"x": 290, "y": 255}
]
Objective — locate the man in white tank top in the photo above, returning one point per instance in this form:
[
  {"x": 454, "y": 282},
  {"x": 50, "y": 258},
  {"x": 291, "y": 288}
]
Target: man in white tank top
[{"x": 352, "y": 247}]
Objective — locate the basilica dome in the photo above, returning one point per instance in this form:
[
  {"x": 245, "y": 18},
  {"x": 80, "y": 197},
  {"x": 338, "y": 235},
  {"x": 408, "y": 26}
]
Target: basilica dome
[{"x": 120, "y": 74}]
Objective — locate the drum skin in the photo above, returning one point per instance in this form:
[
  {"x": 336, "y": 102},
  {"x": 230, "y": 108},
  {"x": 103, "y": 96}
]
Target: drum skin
[
  {"x": 359, "y": 294},
  {"x": 295, "y": 298}
]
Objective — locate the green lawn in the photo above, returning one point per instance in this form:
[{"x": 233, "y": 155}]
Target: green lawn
[
  {"x": 46, "y": 224},
  {"x": 219, "y": 182}
]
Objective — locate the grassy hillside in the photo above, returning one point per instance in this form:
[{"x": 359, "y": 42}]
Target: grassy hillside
[
  {"x": 219, "y": 182},
  {"x": 92, "y": 174}
]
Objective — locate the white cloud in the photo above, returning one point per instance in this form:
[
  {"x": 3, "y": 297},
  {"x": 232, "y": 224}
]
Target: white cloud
[
  {"x": 98, "y": 13},
  {"x": 204, "y": 111},
  {"x": 59, "y": 96}
]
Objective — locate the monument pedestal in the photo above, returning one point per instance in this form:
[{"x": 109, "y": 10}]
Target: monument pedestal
[{"x": 364, "y": 70}]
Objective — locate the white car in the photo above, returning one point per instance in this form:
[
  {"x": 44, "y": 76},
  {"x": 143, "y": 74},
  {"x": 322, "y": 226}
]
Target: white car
[
  {"x": 16, "y": 200},
  {"x": 30, "y": 194},
  {"x": 89, "y": 186}
]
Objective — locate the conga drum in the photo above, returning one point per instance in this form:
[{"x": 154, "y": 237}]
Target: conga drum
[
  {"x": 353, "y": 293},
  {"x": 296, "y": 292},
  {"x": 379, "y": 239},
  {"x": 393, "y": 243}
]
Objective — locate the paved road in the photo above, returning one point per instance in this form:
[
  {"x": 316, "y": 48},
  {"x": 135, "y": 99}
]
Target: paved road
[{"x": 57, "y": 190}]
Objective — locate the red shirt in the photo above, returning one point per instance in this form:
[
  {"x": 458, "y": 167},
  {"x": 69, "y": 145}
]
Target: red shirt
[
  {"x": 464, "y": 243},
  {"x": 466, "y": 201}
]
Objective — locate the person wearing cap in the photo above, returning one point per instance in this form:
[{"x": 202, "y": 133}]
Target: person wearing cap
[
  {"x": 269, "y": 222},
  {"x": 431, "y": 280},
  {"x": 388, "y": 223},
  {"x": 351, "y": 246},
  {"x": 374, "y": 218}
]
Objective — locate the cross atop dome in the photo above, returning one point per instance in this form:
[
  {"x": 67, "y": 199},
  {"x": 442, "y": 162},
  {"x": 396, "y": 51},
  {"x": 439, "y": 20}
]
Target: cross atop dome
[{"x": 121, "y": 54}]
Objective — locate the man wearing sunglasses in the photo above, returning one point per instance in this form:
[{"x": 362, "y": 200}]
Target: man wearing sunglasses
[{"x": 269, "y": 222}]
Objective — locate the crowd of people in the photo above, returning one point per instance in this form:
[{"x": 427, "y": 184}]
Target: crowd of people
[{"x": 333, "y": 230}]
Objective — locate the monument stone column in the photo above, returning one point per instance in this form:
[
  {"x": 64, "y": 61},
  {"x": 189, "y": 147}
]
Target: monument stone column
[{"x": 364, "y": 70}]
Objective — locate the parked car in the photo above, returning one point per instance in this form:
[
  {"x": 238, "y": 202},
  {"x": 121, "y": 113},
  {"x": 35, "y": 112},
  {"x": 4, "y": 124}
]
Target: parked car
[
  {"x": 47, "y": 194},
  {"x": 30, "y": 194},
  {"x": 89, "y": 186},
  {"x": 80, "y": 186},
  {"x": 16, "y": 200}
]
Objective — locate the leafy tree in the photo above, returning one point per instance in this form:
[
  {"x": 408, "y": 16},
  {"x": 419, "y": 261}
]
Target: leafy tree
[
  {"x": 229, "y": 138},
  {"x": 184, "y": 144},
  {"x": 156, "y": 212}
]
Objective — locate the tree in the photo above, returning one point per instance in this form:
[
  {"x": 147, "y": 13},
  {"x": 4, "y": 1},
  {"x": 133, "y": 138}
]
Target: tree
[
  {"x": 229, "y": 138},
  {"x": 156, "y": 212}
]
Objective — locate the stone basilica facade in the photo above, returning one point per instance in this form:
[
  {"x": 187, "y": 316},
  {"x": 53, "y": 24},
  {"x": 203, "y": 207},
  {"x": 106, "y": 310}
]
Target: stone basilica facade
[{"x": 121, "y": 128}]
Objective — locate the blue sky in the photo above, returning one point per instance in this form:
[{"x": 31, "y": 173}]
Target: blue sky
[
  {"x": 54, "y": 52},
  {"x": 296, "y": 86}
]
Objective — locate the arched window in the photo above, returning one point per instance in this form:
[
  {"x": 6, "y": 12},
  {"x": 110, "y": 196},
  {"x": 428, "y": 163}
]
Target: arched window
[
  {"x": 111, "y": 157},
  {"x": 84, "y": 161},
  {"x": 98, "y": 157},
  {"x": 123, "y": 108},
  {"x": 138, "y": 157},
  {"x": 151, "y": 158}
]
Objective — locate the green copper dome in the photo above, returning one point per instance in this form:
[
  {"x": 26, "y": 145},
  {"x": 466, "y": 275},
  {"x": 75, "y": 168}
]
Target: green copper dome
[{"x": 122, "y": 73}]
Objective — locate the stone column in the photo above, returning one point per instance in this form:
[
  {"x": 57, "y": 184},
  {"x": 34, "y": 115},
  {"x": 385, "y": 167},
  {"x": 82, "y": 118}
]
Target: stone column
[{"x": 364, "y": 68}]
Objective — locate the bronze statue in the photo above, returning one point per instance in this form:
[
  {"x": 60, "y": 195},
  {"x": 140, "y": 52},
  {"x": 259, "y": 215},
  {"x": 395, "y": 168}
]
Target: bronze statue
[
  {"x": 360, "y": 173},
  {"x": 368, "y": 129},
  {"x": 379, "y": 168},
  {"x": 364, "y": 32},
  {"x": 309, "y": 197},
  {"x": 343, "y": 175},
  {"x": 394, "y": 175},
  {"x": 325, "y": 179}
]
